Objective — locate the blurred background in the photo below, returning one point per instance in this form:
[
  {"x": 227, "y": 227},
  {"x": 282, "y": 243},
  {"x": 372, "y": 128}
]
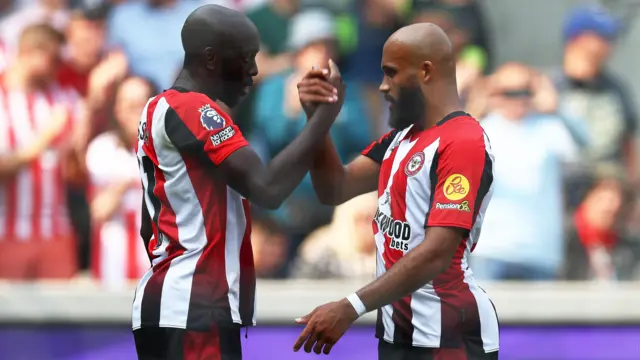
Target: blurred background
[{"x": 555, "y": 84}]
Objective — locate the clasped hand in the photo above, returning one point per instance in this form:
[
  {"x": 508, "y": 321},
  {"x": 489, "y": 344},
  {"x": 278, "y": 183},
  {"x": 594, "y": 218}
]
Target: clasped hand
[{"x": 321, "y": 85}]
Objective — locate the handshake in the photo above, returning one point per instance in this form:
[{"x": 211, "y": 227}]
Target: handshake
[{"x": 322, "y": 86}]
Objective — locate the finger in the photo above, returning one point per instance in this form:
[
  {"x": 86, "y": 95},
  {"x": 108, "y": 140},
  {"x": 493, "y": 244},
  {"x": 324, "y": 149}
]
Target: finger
[
  {"x": 302, "y": 338},
  {"x": 318, "y": 347},
  {"x": 304, "y": 319},
  {"x": 317, "y": 91},
  {"x": 327, "y": 348},
  {"x": 311, "y": 341},
  {"x": 317, "y": 99},
  {"x": 334, "y": 71},
  {"x": 317, "y": 73},
  {"x": 319, "y": 83}
]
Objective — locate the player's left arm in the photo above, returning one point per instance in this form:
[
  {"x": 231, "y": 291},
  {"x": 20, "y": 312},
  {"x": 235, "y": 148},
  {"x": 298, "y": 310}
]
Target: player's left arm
[{"x": 463, "y": 178}]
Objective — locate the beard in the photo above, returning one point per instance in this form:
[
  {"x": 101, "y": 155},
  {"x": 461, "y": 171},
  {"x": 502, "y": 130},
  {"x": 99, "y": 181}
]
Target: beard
[{"x": 409, "y": 107}]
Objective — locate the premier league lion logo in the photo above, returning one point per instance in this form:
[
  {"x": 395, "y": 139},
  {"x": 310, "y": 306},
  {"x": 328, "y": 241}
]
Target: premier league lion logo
[{"x": 210, "y": 119}]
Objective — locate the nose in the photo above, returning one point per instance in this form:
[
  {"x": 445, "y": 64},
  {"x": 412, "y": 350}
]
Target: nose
[
  {"x": 384, "y": 86},
  {"x": 253, "y": 68}
]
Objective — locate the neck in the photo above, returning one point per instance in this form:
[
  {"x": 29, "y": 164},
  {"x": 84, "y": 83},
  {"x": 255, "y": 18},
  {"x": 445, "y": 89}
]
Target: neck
[
  {"x": 189, "y": 80},
  {"x": 444, "y": 103},
  {"x": 18, "y": 78}
]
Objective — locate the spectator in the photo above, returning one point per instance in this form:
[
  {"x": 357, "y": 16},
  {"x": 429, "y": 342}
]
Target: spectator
[
  {"x": 467, "y": 15},
  {"x": 522, "y": 233},
  {"x": 272, "y": 19},
  {"x": 591, "y": 93},
  {"x": 37, "y": 117},
  {"x": 344, "y": 249},
  {"x": 279, "y": 117},
  {"x": 118, "y": 253},
  {"x": 52, "y": 12},
  {"x": 85, "y": 37},
  {"x": 372, "y": 22},
  {"x": 270, "y": 250},
  {"x": 471, "y": 60},
  {"x": 138, "y": 27},
  {"x": 596, "y": 225}
]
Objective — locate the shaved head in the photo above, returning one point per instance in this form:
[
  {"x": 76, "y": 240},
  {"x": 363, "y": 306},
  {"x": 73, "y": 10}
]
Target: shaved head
[
  {"x": 419, "y": 67},
  {"x": 423, "y": 42},
  {"x": 215, "y": 27},
  {"x": 221, "y": 44}
]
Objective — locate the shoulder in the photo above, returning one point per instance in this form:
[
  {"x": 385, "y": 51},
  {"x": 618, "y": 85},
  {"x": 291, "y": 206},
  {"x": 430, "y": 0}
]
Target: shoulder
[
  {"x": 190, "y": 106},
  {"x": 460, "y": 130}
]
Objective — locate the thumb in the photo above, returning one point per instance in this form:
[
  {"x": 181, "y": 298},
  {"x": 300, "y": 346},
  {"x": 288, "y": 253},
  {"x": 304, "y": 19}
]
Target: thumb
[
  {"x": 304, "y": 319},
  {"x": 334, "y": 71}
]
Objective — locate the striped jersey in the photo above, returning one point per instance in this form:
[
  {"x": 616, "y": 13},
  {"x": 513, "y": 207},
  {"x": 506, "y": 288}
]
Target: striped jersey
[
  {"x": 202, "y": 262},
  {"x": 441, "y": 176},
  {"x": 118, "y": 255},
  {"x": 33, "y": 203}
]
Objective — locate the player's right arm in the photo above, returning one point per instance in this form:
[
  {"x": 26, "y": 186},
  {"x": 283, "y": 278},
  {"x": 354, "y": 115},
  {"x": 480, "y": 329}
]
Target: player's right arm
[
  {"x": 265, "y": 185},
  {"x": 333, "y": 182}
]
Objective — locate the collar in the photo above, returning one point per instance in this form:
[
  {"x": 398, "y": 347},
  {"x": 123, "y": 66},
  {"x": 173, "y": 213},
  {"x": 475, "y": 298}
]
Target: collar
[{"x": 451, "y": 116}]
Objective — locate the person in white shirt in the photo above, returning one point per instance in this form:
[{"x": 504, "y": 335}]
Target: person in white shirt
[
  {"x": 118, "y": 253},
  {"x": 522, "y": 233}
]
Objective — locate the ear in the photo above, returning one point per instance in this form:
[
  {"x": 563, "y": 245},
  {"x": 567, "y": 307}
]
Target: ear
[
  {"x": 210, "y": 58},
  {"x": 426, "y": 70}
]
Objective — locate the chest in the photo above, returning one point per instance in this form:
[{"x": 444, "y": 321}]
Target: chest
[
  {"x": 405, "y": 170},
  {"x": 25, "y": 117}
]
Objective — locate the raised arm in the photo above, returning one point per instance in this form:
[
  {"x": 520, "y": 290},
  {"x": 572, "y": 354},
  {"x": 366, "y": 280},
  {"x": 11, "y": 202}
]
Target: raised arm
[{"x": 333, "y": 182}]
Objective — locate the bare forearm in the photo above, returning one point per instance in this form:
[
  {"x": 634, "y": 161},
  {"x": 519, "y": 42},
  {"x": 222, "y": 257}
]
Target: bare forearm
[
  {"x": 411, "y": 272},
  {"x": 11, "y": 164},
  {"x": 105, "y": 204},
  {"x": 327, "y": 174},
  {"x": 285, "y": 172}
]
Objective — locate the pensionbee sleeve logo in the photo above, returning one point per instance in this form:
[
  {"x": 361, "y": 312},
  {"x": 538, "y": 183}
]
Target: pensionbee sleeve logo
[{"x": 456, "y": 187}]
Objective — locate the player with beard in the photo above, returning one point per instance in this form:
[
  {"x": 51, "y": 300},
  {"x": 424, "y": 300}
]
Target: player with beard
[{"x": 433, "y": 174}]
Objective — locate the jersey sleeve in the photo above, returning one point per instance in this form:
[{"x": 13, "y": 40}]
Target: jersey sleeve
[
  {"x": 199, "y": 126},
  {"x": 376, "y": 150},
  {"x": 462, "y": 178}
]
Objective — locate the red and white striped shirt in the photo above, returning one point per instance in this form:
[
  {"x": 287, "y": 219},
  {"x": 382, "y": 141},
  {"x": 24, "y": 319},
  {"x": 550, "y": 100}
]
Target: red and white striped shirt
[
  {"x": 33, "y": 203},
  {"x": 118, "y": 254},
  {"x": 441, "y": 176},
  {"x": 203, "y": 270}
]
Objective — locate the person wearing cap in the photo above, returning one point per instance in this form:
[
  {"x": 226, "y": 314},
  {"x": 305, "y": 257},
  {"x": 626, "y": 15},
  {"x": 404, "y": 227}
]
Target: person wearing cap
[
  {"x": 278, "y": 116},
  {"x": 587, "y": 91}
]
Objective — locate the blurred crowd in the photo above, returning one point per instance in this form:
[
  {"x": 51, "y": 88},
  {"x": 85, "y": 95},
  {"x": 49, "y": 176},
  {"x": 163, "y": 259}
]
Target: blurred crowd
[{"x": 75, "y": 77}]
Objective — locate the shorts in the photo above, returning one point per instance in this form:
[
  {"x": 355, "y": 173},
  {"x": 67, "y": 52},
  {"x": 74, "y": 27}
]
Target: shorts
[
  {"x": 388, "y": 351},
  {"x": 156, "y": 343}
]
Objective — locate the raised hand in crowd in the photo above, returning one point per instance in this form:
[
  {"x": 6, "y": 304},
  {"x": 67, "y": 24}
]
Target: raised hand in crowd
[
  {"x": 104, "y": 77},
  {"x": 545, "y": 96}
]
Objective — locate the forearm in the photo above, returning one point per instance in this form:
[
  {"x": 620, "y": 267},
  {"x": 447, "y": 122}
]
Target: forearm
[
  {"x": 327, "y": 174},
  {"x": 11, "y": 164},
  {"x": 107, "y": 202},
  {"x": 414, "y": 270},
  {"x": 285, "y": 172}
]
